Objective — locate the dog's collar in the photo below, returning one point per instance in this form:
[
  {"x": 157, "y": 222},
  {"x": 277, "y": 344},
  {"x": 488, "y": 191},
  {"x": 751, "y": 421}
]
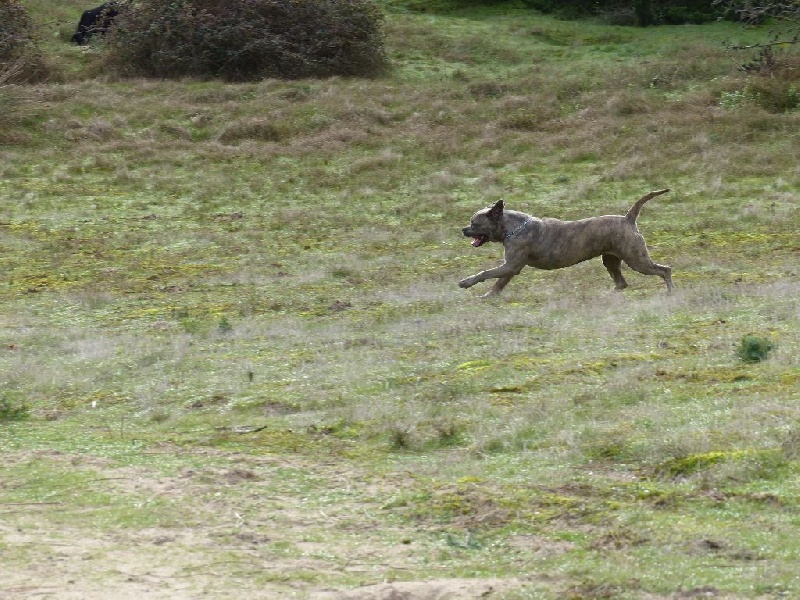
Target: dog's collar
[{"x": 520, "y": 228}]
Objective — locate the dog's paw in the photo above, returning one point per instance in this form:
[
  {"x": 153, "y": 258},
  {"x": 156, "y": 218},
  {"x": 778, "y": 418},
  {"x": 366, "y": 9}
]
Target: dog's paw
[{"x": 466, "y": 283}]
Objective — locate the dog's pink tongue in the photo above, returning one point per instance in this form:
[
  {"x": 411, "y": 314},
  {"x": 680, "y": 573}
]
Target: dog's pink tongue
[{"x": 477, "y": 241}]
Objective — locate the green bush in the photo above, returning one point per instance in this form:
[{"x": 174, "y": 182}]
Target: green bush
[
  {"x": 11, "y": 409},
  {"x": 753, "y": 348},
  {"x": 241, "y": 40}
]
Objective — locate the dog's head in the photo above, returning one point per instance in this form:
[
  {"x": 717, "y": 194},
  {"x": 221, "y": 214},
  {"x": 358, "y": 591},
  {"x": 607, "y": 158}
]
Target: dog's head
[{"x": 485, "y": 225}]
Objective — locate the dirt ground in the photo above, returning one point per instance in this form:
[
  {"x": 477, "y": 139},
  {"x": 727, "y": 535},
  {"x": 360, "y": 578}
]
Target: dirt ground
[{"x": 263, "y": 527}]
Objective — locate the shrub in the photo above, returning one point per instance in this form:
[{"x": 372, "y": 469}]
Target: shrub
[
  {"x": 753, "y": 348},
  {"x": 618, "y": 12},
  {"x": 682, "y": 13},
  {"x": 573, "y": 9},
  {"x": 15, "y": 30},
  {"x": 773, "y": 95},
  {"x": 241, "y": 40},
  {"x": 20, "y": 58},
  {"x": 12, "y": 409}
]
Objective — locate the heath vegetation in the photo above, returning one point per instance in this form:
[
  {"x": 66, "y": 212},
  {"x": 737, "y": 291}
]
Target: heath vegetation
[{"x": 234, "y": 359}]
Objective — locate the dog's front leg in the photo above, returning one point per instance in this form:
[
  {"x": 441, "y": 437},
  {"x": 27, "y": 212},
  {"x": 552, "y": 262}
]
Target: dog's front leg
[{"x": 503, "y": 274}]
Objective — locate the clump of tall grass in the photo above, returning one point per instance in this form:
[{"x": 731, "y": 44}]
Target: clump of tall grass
[{"x": 252, "y": 129}]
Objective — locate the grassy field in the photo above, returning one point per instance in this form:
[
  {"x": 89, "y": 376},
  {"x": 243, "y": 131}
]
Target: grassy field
[{"x": 235, "y": 361}]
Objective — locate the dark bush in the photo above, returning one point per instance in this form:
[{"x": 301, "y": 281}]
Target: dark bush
[
  {"x": 20, "y": 58},
  {"x": 695, "y": 13},
  {"x": 240, "y": 40},
  {"x": 655, "y": 12},
  {"x": 570, "y": 9}
]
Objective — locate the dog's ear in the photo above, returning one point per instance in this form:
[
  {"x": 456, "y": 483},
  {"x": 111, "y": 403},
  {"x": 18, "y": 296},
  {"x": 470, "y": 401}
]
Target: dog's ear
[{"x": 496, "y": 212}]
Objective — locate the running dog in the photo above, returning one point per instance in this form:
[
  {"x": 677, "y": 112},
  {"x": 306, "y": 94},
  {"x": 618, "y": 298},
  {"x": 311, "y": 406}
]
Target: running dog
[{"x": 554, "y": 244}]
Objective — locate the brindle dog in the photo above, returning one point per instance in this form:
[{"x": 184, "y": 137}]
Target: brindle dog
[{"x": 554, "y": 244}]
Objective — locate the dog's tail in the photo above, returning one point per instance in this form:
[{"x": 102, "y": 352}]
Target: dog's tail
[{"x": 633, "y": 213}]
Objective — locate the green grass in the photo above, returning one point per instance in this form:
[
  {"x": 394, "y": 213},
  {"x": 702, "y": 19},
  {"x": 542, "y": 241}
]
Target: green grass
[{"x": 239, "y": 364}]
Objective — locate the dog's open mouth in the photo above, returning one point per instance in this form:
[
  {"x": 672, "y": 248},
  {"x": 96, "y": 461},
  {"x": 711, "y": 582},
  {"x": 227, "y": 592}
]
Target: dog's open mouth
[{"x": 479, "y": 240}]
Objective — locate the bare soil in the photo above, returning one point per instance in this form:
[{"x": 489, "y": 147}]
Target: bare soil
[{"x": 244, "y": 531}]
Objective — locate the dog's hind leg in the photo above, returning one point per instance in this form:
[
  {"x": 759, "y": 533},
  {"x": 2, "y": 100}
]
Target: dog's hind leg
[
  {"x": 640, "y": 261},
  {"x": 612, "y": 265}
]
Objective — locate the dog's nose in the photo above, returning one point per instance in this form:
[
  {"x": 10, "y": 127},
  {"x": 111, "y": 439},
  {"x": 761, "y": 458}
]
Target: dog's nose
[{"x": 465, "y": 231}]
